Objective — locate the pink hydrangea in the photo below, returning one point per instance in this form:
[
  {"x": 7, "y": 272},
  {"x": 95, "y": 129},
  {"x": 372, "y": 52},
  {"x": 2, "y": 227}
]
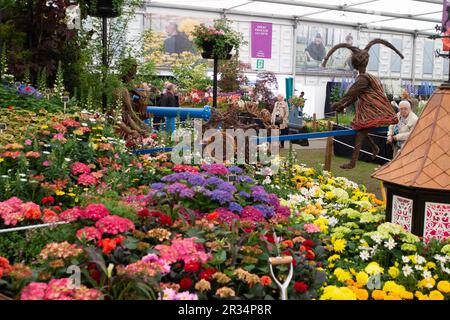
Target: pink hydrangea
[
  {"x": 71, "y": 215},
  {"x": 59, "y": 289},
  {"x": 87, "y": 180},
  {"x": 114, "y": 225},
  {"x": 79, "y": 167},
  {"x": 215, "y": 168},
  {"x": 171, "y": 294},
  {"x": 149, "y": 265},
  {"x": 311, "y": 228},
  {"x": 89, "y": 233},
  {"x": 95, "y": 212},
  {"x": 252, "y": 214},
  {"x": 183, "y": 249}
]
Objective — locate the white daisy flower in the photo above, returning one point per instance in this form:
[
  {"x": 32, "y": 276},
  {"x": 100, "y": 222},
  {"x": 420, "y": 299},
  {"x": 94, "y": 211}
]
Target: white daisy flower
[
  {"x": 407, "y": 270},
  {"x": 405, "y": 259},
  {"x": 427, "y": 274},
  {"x": 364, "y": 255},
  {"x": 418, "y": 267},
  {"x": 376, "y": 238},
  {"x": 390, "y": 244}
]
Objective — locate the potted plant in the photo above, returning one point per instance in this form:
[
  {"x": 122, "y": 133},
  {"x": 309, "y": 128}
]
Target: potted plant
[
  {"x": 102, "y": 8},
  {"x": 218, "y": 40}
]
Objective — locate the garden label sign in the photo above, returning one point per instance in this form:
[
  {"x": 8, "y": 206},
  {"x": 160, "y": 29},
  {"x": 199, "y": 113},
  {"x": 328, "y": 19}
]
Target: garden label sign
[{"x": 261, "y": 43}]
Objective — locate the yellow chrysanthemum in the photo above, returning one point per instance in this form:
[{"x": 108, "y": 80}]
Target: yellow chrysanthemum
[
  {"x": 334, "y": 257},
  {"x": 436, "y": 295},
  {"x": 60, "y": 193},
  {"x": 444, "y": 286},
  {"x": 406, "y": 295},
  {"x": 342, "y": 275},
  {"x": 373, "y": 268},
  {"x": 362, "y": 278},
  {"x": 391, "y": 286},
  {"x": 339, "y": 245},
  {"x": 378, "y": 294},
  {"x": 430, "y": 265},
  {"x": 426, "y": 283},
  {"x": 394, "y": 272},
  {"x": 336, "y": 293}
]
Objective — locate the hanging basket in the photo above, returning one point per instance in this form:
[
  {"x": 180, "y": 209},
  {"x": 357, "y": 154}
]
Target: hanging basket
[
  {"x": 104, "y": 8},
  {"x": 208, "y": 51}
]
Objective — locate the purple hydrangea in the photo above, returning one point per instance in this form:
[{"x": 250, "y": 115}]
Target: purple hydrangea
[
  {"x": 235, "y": 169},
  {"x": 244, "y": 194},
  {"x": 157, "y": 186},
  {"x": 214, "y": 180},
  {"x": 205, "y": 192},
  {"x": 283, "y": 211},
  {"x": 221, "y": 196},
  {"x": 236, "y": 207},
  {"x": 226, "y": 186},
  {"x": 244, "y": 179},
  {"x": 273, "y": 200},
  {"x": 180, "y": 188},
  {"x": 196, "y": 179},
  {"x": 268, "y": 212},
  {"x": 259, "y": 194},
  {"x": 175, "y": 177}
]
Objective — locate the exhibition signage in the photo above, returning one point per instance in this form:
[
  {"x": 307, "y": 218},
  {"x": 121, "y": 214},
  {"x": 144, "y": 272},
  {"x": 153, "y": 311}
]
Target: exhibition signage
[{"x": 261, "y": 44}]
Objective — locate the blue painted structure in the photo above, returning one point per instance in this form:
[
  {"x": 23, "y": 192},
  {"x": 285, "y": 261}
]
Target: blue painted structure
[{"x": 172, "y": 113}]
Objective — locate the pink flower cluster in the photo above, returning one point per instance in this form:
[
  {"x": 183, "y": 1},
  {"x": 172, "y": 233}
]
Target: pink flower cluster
[
  {"x": 79, "y": 167},
  {"x": 311, "y": 228},
  {"x": 252, "y": 214},
  {"x": 60, "y": 250},
  {"x": 95, "y": 212},
  {"x": 215, "y": 168},
  {"x": 183, "y": 249},
  {"x": 71, "y": 215},
  {"x": 89, "y": 233},
  {"x": 114, "y": 225},
  {"x": 71, "y": 123},
  {"x": 171, "y": 294},
  {"x": 58, "y": 289},
  {"x": 87, "y": 179},
  {"x": 149, "y": 265},
  {"x": 15, "y": 210}
]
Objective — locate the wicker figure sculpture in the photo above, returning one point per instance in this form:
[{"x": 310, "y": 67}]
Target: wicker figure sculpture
[{"x": 373, "y": 109}]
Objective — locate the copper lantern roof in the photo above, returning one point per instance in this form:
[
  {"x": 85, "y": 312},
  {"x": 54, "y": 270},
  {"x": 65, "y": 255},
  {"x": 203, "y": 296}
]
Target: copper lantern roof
[{"x": 424, "y": 160}]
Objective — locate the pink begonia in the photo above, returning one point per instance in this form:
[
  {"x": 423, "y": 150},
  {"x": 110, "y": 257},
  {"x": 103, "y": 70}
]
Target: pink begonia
[
  {"x": 312, "y": 228},
  {"x": 87, "y": 180},
  {"x": 89, "y": 233},
  {"x": 71, "y": 215},
  {"x": 170, "y": 294},
  {"x": 79, "y": 167},
  {"x": 114, "y": 225},
  {"x": 149, "y": 266},
  {"x": 59, "y": 289},
  {"x": 28, "y": 142},
  {"x": 11, "y": 211},
  {"x": 183, "y": 249},
  {"x": 95, "y": 212}
]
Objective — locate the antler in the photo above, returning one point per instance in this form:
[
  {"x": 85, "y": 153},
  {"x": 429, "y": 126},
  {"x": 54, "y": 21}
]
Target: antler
[
  {"x": 386, "y": 43},
  {"x": 337, "y": 47}
]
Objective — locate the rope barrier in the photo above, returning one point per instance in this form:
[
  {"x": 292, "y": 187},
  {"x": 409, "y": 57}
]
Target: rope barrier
[
  {"x": 363, "y": 151},
  {"x": 36, "y": 226}
]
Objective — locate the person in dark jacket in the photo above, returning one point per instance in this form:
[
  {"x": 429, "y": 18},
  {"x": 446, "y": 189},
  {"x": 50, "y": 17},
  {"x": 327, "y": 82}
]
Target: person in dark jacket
[
  {"x": 316, "y": 49},
  {"x": 169, "y": 99}
]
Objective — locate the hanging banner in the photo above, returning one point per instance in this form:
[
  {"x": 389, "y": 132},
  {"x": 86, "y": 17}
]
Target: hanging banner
[
  {"x": 446, "y": 24},
  {"x": 261, "y": 40}
]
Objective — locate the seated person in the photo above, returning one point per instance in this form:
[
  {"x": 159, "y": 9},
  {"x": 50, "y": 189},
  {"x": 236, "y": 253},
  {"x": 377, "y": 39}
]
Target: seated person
[{"x": 399, "y": 133}]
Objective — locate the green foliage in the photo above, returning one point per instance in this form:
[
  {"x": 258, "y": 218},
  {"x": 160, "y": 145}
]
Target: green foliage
[
  {"x": 190, "y": 73},
  {"x": 232, "y": 76}
]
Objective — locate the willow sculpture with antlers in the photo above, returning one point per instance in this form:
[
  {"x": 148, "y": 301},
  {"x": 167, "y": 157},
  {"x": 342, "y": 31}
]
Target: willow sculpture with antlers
[{"x": 373, "y": 109}]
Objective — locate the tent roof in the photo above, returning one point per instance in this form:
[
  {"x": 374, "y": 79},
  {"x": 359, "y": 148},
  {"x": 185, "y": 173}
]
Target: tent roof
[
  {"x": 424, "y": 160},
  {"x": 403, "y": 15}
]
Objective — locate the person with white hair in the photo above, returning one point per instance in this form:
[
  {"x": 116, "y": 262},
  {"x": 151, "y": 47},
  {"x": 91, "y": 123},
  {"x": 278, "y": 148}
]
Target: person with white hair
[
  {"x": 399, "y": 133},
  {"x": 280, "y": 115}
]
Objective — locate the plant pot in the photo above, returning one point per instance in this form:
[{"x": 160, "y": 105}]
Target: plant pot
[
  {"x": 103, "y": 8},
  {"x": 208, "y": 51}
]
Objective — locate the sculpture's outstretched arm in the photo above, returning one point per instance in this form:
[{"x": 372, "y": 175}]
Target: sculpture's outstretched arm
[{"x": 352, "y": 94}]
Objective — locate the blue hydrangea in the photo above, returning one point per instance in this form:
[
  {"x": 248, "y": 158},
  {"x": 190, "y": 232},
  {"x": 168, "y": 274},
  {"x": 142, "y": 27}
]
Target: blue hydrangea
[
  {"x": 236, "y": 207},
  {"x": 221, "y": 196}
]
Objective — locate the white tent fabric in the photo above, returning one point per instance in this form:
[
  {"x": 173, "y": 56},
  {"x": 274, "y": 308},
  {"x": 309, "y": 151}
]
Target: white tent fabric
[{"x": 410, "y": 16}]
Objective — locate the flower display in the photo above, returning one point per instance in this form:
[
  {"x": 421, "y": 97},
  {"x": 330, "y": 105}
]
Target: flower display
[
  {"x": 59, "y": 289},
  {"x": 114, "y": 225}
]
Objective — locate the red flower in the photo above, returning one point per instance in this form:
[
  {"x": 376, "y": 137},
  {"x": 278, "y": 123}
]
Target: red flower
[
  {"x": 10, "y": 107},
  {"x": 143, "y": 213},
  {"x": 207, "y": 273},
  {"x": 248, "y": 230},
  {"x": 165, "y": 220},
  {"x": 212, "y": 216},
  {"x": 270, "y": 238},
  {"x": 48, "y": 200},
  {"x": 307, "y": 243},
  {"x": 185, "y": 283},
  {"x": 94, "y": 272},
  {"x": 192, "y": 266},
  {"x": 57, "y": 208},
  {"x": 310, "y": 255},
  {"x": 300, "y": 287},
  {"x": 108, "y": 245}
]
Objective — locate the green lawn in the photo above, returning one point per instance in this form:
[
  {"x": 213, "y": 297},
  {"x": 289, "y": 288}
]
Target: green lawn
[{"x": 360, "y": 174}]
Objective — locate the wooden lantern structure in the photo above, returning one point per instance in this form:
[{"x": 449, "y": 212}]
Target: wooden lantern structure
[{"x": 418, "y": 178}]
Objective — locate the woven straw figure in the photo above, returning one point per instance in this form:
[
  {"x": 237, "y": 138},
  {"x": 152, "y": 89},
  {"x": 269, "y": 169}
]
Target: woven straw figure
[{"x": 373, "y": 109}]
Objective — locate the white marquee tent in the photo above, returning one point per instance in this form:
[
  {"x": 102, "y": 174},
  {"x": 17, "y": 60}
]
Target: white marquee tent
[{"x": 409, "y": 16}]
